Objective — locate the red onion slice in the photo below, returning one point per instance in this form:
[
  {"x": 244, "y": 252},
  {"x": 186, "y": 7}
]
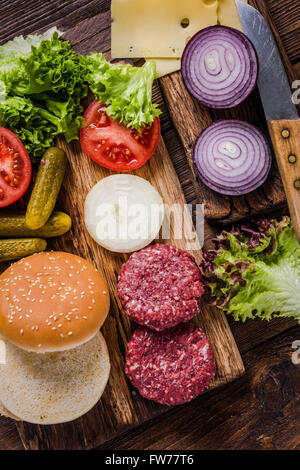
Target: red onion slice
[
  {"x": 219, "y": 67},
  {"x": 232, "y": 157}
]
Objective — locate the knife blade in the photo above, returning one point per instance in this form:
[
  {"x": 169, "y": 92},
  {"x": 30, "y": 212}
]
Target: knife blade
[
  {"x": 273, "y": 84},
  {"x": 280, "y": 111}
]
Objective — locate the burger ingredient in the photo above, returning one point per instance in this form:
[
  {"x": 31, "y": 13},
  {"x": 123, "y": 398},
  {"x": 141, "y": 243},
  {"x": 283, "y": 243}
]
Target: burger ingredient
[
  {"x": 228, "y": 14},
  {"x": 46, "y": 188},
  {"x": 4, "y": 412},
  {"x": 177, "y": 21},
  {"x": 123, "y": 213},
  {"x": 160, "y": 287},
  {"x": 172, "y": 367},
  {"x": 15, "y": 168},
  {"x": 11, "y": 249},
  {"x": 219, "y": 67},
  {"x": 56, "y": 387},
  {"x": 232, "y": 157},
  {"x": 254, "y": 271},
  {"x": 143, "y": 28},
  {"x": 126, "y": 90},
  {"x": 14, "y": 226},
  {"x": 114, "y": 146},
  {"x": 62, "y": 302},
  {"x": 41, "y": 86}
]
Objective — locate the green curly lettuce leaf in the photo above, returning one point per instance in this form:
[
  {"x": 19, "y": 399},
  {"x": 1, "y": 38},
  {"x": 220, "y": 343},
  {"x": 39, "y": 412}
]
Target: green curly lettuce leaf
[
  {"x": 127, "y": 90},
  {"x": 15, "y": 72},
  {"x": 254, "y": 272},
  {"x": 41, "y": 87},
  {"x": 21, "y": 47}
]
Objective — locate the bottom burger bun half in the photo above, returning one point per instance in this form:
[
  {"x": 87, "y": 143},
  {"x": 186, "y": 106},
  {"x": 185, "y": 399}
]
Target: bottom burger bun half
[
  {"x": 6, "y": 414},
  {"x": 53, "y": 388},
  {"x": 56, "y": 363}
]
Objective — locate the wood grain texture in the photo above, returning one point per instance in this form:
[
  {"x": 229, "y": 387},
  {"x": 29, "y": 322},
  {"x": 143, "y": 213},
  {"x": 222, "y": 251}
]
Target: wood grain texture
[
  {"x": 286, "y": 143},
  {"x": 260, "y": 411},
  {"x": 251, "y": 413},
  {"x": 190, "y": 118},
  {"x": 286, "y": 17}
]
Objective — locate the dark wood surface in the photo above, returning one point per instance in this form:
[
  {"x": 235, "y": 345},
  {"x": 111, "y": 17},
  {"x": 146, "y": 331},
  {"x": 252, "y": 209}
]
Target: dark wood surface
[{"x": 261, "y": 410}]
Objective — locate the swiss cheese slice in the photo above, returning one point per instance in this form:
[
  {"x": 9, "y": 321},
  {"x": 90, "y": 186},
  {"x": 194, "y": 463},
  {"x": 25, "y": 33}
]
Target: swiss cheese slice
[
  {"x": 166, "y": 66},
  {"x": 223, "y": 12},
  {"x": 157, "y": 28},
  {"x": 228, "y": 14}
]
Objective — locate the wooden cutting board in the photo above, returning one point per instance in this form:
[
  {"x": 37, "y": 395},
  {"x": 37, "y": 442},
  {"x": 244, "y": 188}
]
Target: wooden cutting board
[
  {"x": 190, "y": 118},
  {"x": 121, "y": 406}
]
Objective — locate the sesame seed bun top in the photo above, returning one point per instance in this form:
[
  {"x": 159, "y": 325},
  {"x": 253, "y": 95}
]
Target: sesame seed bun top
[{"x": 52, "y": 301}]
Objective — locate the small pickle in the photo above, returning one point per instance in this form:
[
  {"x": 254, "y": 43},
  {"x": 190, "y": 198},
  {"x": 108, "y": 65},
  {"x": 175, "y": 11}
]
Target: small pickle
[
  {"x": 14, "y": 226},
  {"x": 18, "y": 248},
  {"x": 47, "y": 185}
]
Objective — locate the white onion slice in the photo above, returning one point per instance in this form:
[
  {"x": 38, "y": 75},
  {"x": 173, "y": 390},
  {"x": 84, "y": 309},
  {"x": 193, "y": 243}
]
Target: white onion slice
[{"x": 123, "y": 213}]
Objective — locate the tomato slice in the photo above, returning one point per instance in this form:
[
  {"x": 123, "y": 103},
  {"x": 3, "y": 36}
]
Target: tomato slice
[
  {"x": 15, "y": 168},
  {"x": 113, "y": 145}
]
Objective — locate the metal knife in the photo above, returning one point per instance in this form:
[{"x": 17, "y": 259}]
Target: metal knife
[{"x": 280, "y": 111}]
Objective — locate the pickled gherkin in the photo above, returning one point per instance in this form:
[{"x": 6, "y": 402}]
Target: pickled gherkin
[
  {"x": 11, "y": 249},
  {"x": 14, "y": 226},
  {"x": 47, "y": 185}
]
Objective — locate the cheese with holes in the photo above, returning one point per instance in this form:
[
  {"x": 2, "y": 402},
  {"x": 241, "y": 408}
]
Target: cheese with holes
[
  {"x": 157, "y": 28},
  {"x": 224, "y": 13},
  {"x": 227, "y": 15}
]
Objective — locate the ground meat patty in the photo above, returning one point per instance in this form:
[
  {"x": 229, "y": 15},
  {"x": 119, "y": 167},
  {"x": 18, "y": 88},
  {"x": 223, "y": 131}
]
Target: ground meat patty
[
  {"x": 171, "y": 367},
  {"x": 160, "y": 287}
]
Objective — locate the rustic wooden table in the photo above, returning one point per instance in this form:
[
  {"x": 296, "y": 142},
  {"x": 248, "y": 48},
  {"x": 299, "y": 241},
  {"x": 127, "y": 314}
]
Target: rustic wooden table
[{"x": 259, "y": 411}]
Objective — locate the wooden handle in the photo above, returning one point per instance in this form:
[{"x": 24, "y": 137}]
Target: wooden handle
[{"x": 285, "y": 135}]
